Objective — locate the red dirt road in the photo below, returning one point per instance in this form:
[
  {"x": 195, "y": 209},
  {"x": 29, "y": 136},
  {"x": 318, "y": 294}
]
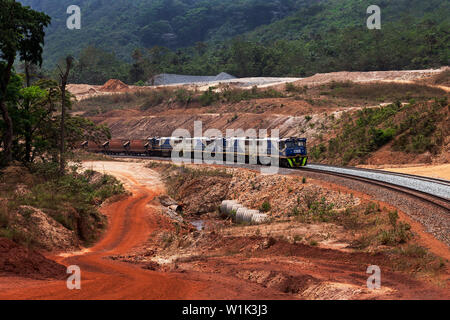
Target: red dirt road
[{"x": 131, "y": 223}]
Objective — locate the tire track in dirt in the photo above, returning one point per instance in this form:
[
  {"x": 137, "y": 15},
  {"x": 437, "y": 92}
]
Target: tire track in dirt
[
  {"x": 131, "y": 223},
  {"x": 103, "y": 278}
]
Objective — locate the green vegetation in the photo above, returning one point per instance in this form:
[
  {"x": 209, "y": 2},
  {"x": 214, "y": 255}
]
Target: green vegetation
[
  {"x": 400, "y": 232},
  {"x": 317, "y": 209},
  {"x": 276, "y": 38},
  {"x": 120, "y": 26},
  {"x": 21, "y": 37},
  {"x": 71, "y": 200},
  {"x": 149, "y": 99},
  {"x": 37, "y": 138},
  {"x": 266, "y": 206},
  {"x": 209, "y": 97},
  {"x": 380, "y": 92},
  {"x": 414, "y": 128}
]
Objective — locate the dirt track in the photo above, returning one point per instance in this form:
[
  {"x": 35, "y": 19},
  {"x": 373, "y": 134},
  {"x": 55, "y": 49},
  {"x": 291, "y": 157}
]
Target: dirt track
[
  {"x": 328, "y": 274},
  {"x": 131, "y": 222},
  {"x": 104, "y": 278}
]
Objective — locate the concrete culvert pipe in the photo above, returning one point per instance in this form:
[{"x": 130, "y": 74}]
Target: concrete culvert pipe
[
  {"x": 224, "y": 205},
  {"x": 235, "y": 208},
  {"x": 244, "y": 215},
  {"x": 176, "y": 208},
  {"x": 230, "y": 205},
  {"x": 260, "y": 218}
]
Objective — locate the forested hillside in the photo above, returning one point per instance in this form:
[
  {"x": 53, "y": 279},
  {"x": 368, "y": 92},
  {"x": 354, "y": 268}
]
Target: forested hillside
[
  {"x": 245, "y": 37},
  {"x": 123, "y": 25}
]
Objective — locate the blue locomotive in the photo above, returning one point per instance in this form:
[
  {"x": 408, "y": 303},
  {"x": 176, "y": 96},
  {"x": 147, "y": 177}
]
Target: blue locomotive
[{"x": 290, "y": 152}]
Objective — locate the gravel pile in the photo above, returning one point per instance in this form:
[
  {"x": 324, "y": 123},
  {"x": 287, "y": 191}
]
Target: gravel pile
[{"x": 167, "y": 79}]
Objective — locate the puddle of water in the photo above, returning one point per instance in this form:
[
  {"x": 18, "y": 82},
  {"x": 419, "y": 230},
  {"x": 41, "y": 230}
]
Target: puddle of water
[{"x": 199, "y": 224}]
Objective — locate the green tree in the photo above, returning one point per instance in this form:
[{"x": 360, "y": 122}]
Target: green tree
[{"x": 21, "y": 32}]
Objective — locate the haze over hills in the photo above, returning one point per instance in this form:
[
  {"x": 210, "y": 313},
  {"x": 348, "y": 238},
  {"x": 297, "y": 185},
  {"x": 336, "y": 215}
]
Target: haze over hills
[{"x": 244, "y": 38}]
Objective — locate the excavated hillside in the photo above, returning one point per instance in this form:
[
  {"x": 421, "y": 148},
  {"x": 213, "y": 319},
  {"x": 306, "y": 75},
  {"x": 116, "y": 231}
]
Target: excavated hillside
[{"x": 319, "y": 108}]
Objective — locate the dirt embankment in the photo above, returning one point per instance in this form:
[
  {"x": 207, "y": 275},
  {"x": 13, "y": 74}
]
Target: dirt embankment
[
  {"x": 371, "y": 76},
  {"x": 200, "y": 191},
  {"x": 306, "y": 252},
  {"x": 312, "y": 108},
  {"x": 16, "y": 260},
  {"x": 85, "y": 91},
  {"x": 46, "y": 214},
  {"x": 304, "y": 255}
]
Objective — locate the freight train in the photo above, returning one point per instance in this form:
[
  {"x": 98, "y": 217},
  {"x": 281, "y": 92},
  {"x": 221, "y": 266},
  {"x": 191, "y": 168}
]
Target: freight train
[{"x": 290, "y": 152}]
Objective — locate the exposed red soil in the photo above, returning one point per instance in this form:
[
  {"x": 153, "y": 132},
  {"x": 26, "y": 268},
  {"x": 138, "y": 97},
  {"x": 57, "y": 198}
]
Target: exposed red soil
[
  {"x": 322, "y": 265},
  {"x": 281, "y": 270},
  {"x": 131, "y": 224},
  {"x": 18, "y": 261},
  {"x": 114, "y": 85}
]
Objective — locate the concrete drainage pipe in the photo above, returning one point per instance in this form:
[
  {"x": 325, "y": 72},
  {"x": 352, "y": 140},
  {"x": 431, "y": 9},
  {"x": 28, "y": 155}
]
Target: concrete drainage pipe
[
  {"x": 235, "y": 208},
  {"x": 244, "y": 215},
  {"x": 224, "y": 207},
  {"x": 259, "y": 218}
]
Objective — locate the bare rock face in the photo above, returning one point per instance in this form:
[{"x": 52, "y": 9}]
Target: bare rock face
[{"x": 50, "y": 234}]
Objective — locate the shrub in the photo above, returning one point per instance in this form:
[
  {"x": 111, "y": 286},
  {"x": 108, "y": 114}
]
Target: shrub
[
  {"x": 266, "y": 207},
  {"x": 295, "y": 211},
  {"x": 400, "y": 234},
  {"x": 140, "y": 83},
  {"x": 290, "y": 87},
  {"x": 155, "y": 98},
  {"x": 209, "y": 97},
  {"x": 184, "y": 96},
  {"x": 393, "y": 217},
  {"x": 414, "y": 250}
]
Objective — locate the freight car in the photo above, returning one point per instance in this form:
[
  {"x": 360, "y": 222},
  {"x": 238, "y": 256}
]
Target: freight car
[{"x": 290, "y": 152}]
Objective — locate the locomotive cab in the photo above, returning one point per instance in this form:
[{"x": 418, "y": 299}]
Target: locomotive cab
[{"x": 293, "y": 152}]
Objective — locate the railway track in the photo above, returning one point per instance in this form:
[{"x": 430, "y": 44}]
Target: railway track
[
  {"x": 423, "y": 191},
  {"x": 431, "y": 190}
]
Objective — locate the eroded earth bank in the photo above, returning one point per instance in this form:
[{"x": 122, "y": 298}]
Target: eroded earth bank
[{"x": 168, "y": 241}]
